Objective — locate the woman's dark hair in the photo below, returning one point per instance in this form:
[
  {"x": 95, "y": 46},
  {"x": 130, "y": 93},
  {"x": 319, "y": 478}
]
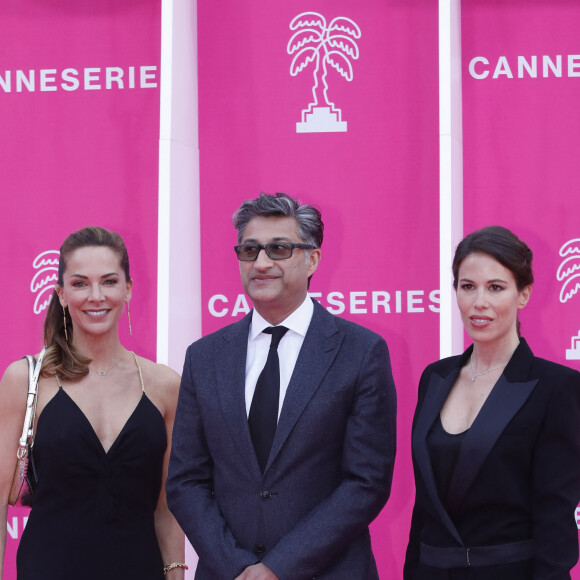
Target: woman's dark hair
[
  {"x": 502, "y": 245},
  {"x": 61, "y": 357}
]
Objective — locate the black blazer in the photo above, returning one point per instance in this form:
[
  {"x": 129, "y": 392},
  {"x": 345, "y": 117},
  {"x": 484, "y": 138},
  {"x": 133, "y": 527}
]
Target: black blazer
[{"x": 517, "y": 476}]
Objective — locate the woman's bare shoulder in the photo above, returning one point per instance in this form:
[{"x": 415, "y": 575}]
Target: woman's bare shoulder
[
  {"x": 16, "y": 370},
  {"x": 14, "y": 384},
  {"x": 159, "y": 377}
]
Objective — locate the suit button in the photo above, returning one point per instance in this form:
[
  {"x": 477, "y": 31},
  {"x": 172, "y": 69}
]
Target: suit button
[
  {"x": 259, "y": 548},
  {"x": 266, "y": 495}
]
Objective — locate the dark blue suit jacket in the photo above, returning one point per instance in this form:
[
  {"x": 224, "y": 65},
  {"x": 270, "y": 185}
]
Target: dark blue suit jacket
[
  {"x": 517, "y": 476},
  {"x": 330, "y": 468}
]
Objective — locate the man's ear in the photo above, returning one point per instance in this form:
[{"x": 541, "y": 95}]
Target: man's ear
[{"x": 313, "y": 261}]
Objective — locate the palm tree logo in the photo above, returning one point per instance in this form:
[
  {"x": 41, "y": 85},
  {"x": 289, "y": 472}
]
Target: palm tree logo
[
  {"x": 42, "y": 283},
  {"x": 331, "y": 45},
  {"x": 569, "y": 274}
]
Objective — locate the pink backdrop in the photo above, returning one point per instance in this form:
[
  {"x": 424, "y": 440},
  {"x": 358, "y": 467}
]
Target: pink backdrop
[
  {"x": 521, "y": 139},
  {"x": 71, "y": 158},
  {"x": 80, "y": 146},
  {"x": 376, "y": 184}
]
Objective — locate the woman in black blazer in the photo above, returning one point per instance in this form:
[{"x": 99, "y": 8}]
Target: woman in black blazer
[{"x": 496, "y": 442}]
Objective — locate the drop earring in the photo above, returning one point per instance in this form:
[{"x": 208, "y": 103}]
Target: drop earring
[
  {"x": 64, "y": 321},
  {"x": 129, "y": 319}
]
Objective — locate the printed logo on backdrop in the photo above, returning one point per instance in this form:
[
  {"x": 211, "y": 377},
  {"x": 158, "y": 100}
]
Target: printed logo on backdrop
[
  {"x": 329, "y": 46},
  {"x": 520, "y": 67},
  {"x": 45, "y": 278},
  {"x": 350, "y": 302},
  {"x": 569, "y": 274},
  {"x": 74, "y": 79}
]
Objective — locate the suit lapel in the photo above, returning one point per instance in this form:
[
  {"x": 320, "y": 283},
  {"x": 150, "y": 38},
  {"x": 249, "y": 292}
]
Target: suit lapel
[
  {"x": 230, "y": 364},
  {"x": 320, "y": 346},
  {"x": 504, "y": 401},
  {"x": 436, "y": 393}
]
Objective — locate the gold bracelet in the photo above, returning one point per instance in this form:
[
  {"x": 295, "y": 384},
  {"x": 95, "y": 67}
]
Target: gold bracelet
[{"x": 174, "y": 565}]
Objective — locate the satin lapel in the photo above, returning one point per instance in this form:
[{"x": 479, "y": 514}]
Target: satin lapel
[
  {"x": 230, "y": 365},
  {"x": 437, "y": 391},
  {"x": 320, "y": 346},
  {"x": 504, "y": 401}
]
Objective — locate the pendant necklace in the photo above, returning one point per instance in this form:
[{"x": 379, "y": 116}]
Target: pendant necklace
[
  {"x": 475, "y": 375},
  {"x": 104, "y": 372}
]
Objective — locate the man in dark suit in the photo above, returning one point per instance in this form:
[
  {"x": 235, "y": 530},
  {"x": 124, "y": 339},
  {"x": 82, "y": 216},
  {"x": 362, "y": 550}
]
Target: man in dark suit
[{"x": 284, "y": 438}]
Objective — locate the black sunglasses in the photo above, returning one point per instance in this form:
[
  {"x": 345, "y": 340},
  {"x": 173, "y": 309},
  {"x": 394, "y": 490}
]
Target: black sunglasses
[{"x": 274, "y": 250}]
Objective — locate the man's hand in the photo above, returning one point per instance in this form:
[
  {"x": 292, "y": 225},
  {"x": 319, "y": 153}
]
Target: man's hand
[{"x": 257, "y": 572}]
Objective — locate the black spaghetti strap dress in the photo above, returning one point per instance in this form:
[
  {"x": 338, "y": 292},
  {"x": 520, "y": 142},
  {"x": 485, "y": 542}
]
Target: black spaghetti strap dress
[{"x": 92, "y": 516}]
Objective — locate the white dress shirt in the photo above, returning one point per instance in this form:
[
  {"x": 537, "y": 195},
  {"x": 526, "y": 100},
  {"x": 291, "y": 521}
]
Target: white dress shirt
[{"x": 288, "y": 349}]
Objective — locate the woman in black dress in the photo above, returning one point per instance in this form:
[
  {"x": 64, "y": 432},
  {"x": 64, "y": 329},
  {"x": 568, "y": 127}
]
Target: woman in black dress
[
  {"x": 496, "y": 437},
  {"x": 104, "y": 421}
]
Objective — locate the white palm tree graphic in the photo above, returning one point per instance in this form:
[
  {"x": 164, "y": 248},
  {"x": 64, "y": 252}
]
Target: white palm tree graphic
[
  {"x": 42, "y": 284},
  {"x": 569, "y": 270},
  {"x": 327, "y": 45},
  {"x": 569, "y": 274}
]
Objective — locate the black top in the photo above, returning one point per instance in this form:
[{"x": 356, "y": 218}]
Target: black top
[
  {"x": 444, "y": 449},
  {"x": 92, "y": 515}
]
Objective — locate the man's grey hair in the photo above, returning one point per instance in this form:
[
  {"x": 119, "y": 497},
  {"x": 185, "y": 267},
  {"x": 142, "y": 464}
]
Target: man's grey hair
[{"x": 308, "y": 219}]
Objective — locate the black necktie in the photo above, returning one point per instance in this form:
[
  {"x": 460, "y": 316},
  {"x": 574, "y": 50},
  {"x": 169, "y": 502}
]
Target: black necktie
[{"x": 263, "y": 417}]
